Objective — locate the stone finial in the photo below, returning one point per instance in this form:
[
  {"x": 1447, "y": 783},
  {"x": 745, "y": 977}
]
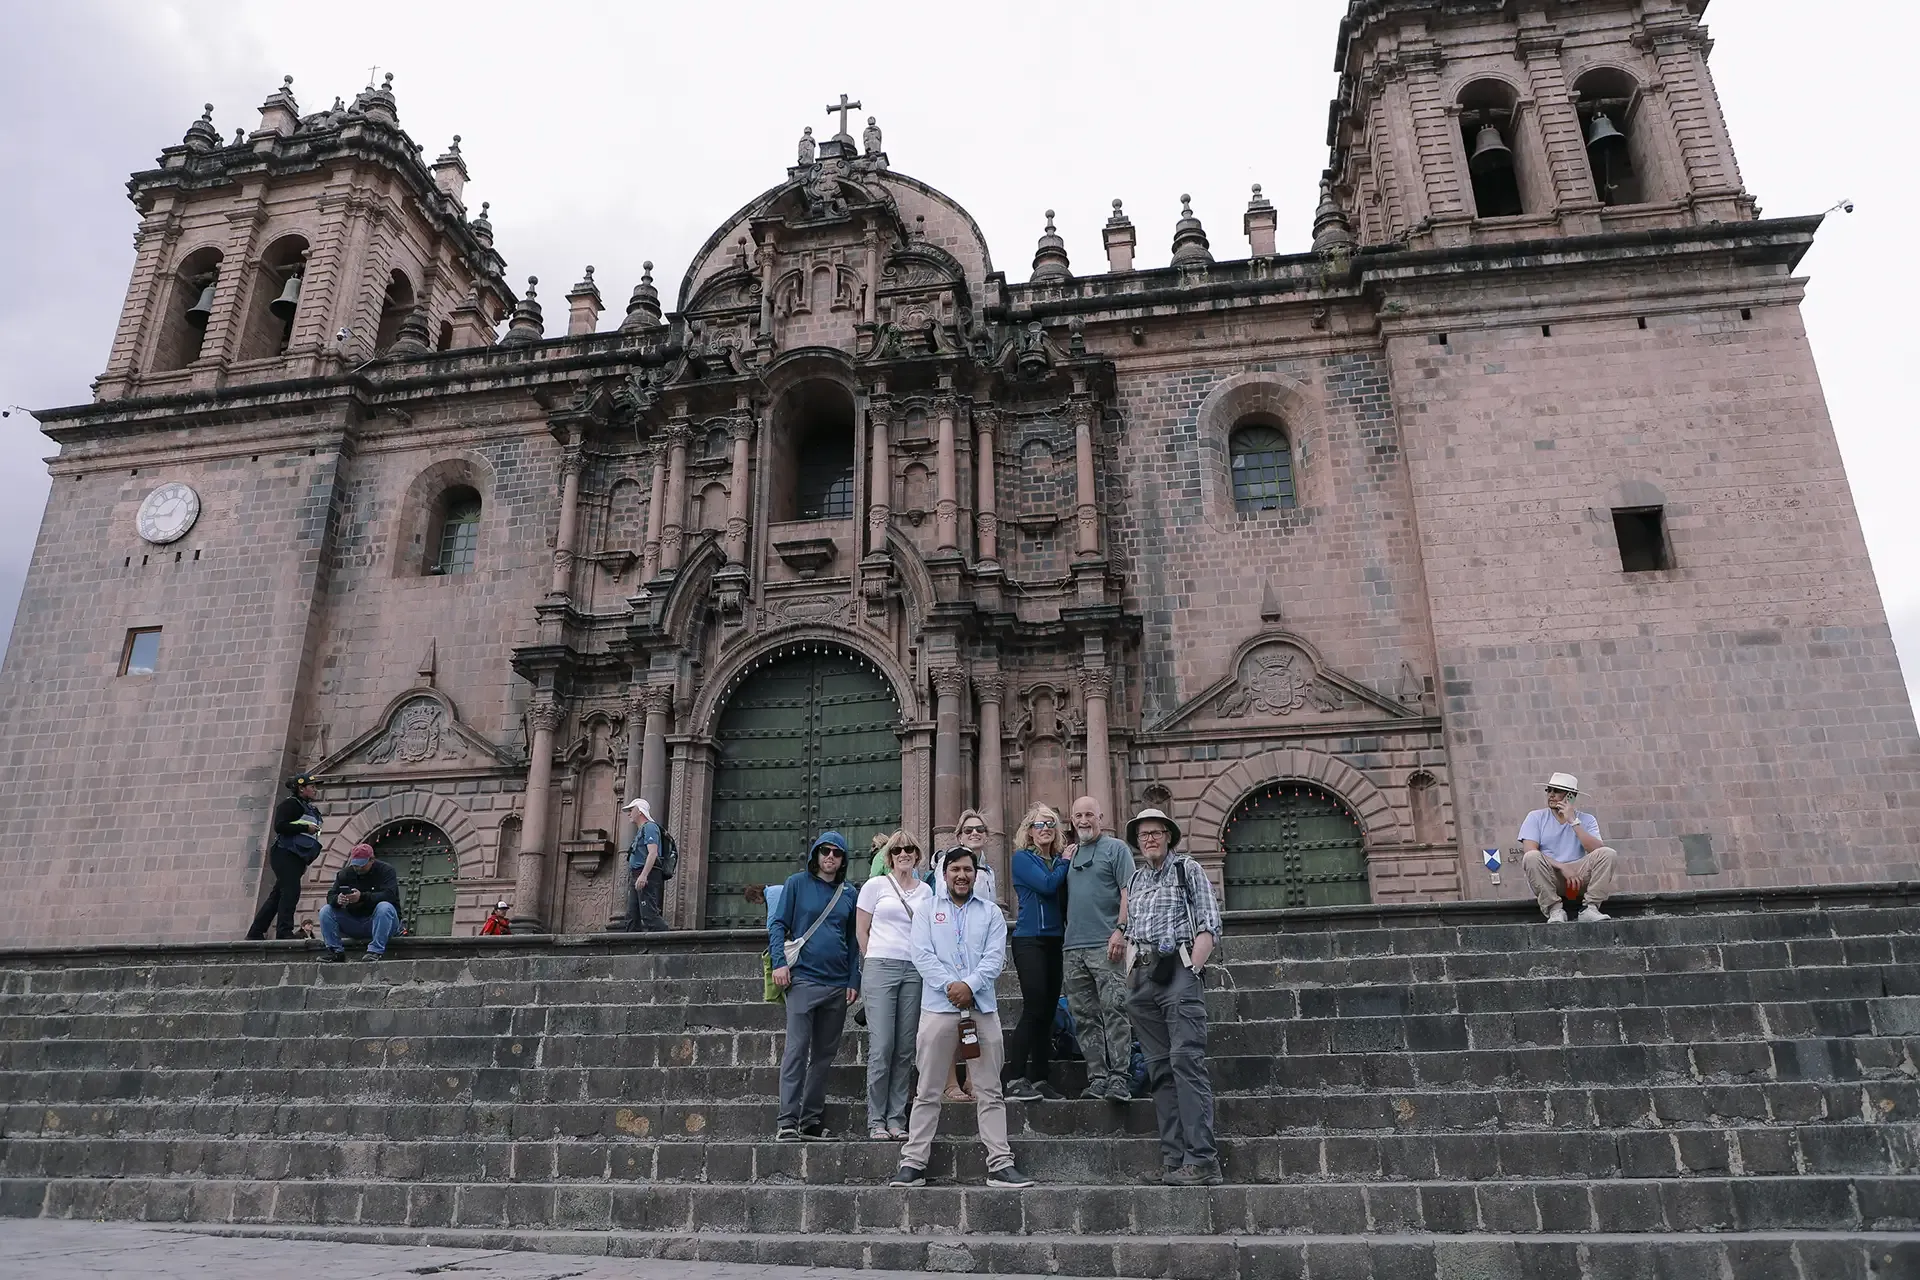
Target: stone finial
[
  {"x": 413, "y": 337},
  {"x": 1332, "y": 233},
  {"x": 528, "y": 324},
  {"x": 280, "y": 113},
  {"x": 1118, "y": 235},
  {"x": 377, "y": 104},
  {"x": 1050, "y": 258},
  {"x": 482, "y": 226},
  {"x": 643, "y": 308},
  {"x": 807, "y": 146},
  {"x": 201, "y": 135},
  {"x": 1260, "y": 223},
  {"x": 450, "y": 171},
  {"x": 1189, "y": 237},
  {"x": 870, "y": 138},
  {"x": 584, "y": 306},
  {"x": 239, "y": 137}
]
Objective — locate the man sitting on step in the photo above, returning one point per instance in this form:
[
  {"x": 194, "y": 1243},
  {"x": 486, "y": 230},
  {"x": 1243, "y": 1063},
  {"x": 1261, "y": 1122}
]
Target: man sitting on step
[
  {"x": 364, "y": 902},
  {"x": 1565, "y": 857}
]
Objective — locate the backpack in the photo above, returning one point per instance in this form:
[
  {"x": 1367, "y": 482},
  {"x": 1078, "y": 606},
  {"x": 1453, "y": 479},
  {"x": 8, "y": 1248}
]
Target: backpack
[{"x": 669, "y": 859}]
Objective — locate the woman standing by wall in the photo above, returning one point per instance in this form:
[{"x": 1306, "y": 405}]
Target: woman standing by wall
[{"x": 1040, "y": 883}]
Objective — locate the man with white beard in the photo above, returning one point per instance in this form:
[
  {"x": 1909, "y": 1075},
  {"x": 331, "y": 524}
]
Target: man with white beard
[{"x": 1093, "y": 954}]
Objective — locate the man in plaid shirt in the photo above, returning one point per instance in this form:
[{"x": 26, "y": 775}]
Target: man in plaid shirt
[{"x": 1172, "y": 924}]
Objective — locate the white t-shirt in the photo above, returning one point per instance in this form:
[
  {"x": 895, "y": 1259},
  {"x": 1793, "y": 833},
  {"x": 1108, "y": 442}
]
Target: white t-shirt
[{"x": 887, "y": 939}]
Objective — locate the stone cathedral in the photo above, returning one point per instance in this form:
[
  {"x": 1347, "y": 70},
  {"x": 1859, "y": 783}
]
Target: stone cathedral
[{"x": 1335, "y": 555}]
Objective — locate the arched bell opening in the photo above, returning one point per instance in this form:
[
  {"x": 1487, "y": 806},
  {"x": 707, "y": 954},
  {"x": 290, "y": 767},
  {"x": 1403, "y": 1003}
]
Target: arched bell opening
[
  {"x": 1607, "y": 101},
  {"x": 1489, "y": 126},
  {"x": 276, "y": 299},
  {"x": 193, "y": 294}
]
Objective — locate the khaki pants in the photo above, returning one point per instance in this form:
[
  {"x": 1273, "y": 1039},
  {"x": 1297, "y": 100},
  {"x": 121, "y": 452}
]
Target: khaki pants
[
  {"x": 1097, "y": 997},
  {"x": 1549, "y": 878},
  {"x": 934, "y": 1050}
]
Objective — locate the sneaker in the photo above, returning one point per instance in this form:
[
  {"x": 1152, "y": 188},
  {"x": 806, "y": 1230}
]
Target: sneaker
[
  {"x": 814, "y": 1133},
  {"x": 1008, "y": 1179},
  {"x": 1558, "y": 914},
  {"x": 1119, "y": 1090},
  {"x": 1589, "y": 914},
  {"x": 1095, "y": 1091},
  {"x": 336, "y": 957},
  {"x": 1194, "y": 1175},
  {"x": 1047, "y": 1092},
  {"x": 1020, "y": 1089},
  {"x": 909, "y": 1177},
  {"x": 374, "y": 955},
  {"x": 1158, "y": 1177},
  {"x": 787, "y": 1133}
]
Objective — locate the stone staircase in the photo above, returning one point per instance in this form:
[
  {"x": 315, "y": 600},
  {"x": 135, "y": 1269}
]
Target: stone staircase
[{"x": 1720, "y": 1086}]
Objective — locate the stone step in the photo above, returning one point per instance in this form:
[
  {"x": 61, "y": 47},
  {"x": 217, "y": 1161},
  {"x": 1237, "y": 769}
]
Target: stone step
[
  {"x": 1104, "y": 1161},
  {"x": 491, "y": 1105},
  {"x": 1845, "y": 1203}
]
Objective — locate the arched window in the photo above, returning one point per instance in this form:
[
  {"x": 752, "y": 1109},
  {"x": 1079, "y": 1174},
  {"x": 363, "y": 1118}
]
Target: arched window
[
  {"x": 459, "y": 532},
  {"x": 718, "y": 443},
  {"x": 394, "y": 309},
  {"x": 1262, "y": 465},
  {"x": 1488, "y": 116},
  {"x": 825, "y": 490},
  {"x": 812, "y": 453},
  {"x": 196, "y": 288},
  {"x": 276, "y": 299},
  {"x": 1607, "y": 103}
]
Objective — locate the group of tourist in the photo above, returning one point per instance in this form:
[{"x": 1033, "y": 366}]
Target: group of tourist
[{"x": 1127, "y": 940}]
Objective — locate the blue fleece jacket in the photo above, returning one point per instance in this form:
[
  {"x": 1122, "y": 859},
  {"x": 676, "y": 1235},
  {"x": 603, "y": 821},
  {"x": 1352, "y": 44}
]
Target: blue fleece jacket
[
  {"x": 831, "y": 957},
  {"x": 1038, "y": 886}
]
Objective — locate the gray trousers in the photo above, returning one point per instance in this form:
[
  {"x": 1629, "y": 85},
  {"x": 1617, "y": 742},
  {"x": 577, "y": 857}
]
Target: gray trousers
[
  {"x": 816, "y": 1016},
  {"x": 1172, "y": 1022},
  {"x": 1097, "y": 997},
  {"x": 892, "y": 992}
]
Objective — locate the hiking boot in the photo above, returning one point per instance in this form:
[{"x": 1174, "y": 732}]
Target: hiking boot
[
  {"x": 909, "y": 1177},
  {"x": 1589, "y": 914},
  {"x": 1194, "y": 1175},
  {"x": 374, "y": 955},
  {"x": 1020, "y": 1089},
  {"x": 1558, "y": 914},
  {"x": 1158, "y": 1178},
  {"x": 336, "y": 957},
  {"x": 1008, "y": 1179}
]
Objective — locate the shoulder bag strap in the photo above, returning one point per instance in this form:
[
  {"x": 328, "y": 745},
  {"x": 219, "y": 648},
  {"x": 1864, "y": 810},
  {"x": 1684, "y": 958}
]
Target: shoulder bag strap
[
  {"x": 831, "y": 903},
  {"x": 907, "y": 906}
]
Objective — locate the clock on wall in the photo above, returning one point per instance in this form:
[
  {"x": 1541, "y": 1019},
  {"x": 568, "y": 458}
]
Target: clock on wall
[{"x": 168, "y": 513}]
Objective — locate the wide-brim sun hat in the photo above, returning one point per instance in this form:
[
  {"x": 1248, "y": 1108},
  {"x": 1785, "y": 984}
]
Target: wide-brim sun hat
[
  {"x": 1152, "y": 815},
  {"x": 1564, "y": 782}
]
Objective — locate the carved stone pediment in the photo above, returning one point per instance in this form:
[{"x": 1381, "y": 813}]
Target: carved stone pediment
[
  {"x": 419, "y": 730},
  {"x": 1277, "y": 678}
]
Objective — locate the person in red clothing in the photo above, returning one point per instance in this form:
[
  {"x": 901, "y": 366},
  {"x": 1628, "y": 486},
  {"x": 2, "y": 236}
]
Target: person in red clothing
[{"x": 495, "y": 925}]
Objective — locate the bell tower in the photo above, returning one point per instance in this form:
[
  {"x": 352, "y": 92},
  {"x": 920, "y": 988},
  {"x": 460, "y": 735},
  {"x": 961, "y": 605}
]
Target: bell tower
[
  {"x": 1490, "y": 122},
  {"x": 307, "y": 246}
]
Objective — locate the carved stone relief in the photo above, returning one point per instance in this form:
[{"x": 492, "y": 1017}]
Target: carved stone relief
[{"x": 417, "y": 733}]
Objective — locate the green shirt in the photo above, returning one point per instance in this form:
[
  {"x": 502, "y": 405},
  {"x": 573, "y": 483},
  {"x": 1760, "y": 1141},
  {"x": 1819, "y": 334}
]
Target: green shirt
[{"x": 1099, "y": 872}]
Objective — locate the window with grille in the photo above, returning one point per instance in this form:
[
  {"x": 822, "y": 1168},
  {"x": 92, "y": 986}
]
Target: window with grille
[
  {"x": 1262, "y": 469},
  {"x": 825, "y": 481},
  {"x": 459, "y": 533}
]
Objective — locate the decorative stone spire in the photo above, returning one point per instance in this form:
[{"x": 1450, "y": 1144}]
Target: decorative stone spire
[
  {"x": 481, "y": 226},
  {"x": 643, "y": 308},
  {"x": 201, "y": 135},
  {"x": 1118, "y": 235},
  {"x": 584, "y": 306},
  {"x": 1050, "y": 259},
  {"x": 1189, "y": 237},
  {"x": 239, "y": 137},
  {"x": 1332, "y": 232},
  {"x": 280, "y": 113},
  {"x": 1260, "y": 223},
  {"x": 378, "y": 104},
  {"x": 450, "y": 171},
  {"x": 413, "y": 338},
  {"x": 528, "y": 324}
]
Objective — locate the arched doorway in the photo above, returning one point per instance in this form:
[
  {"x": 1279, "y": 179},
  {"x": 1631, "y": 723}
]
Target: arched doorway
[
  {"x": 806, "y": 742},
  {"x": 422, "y": 856},
  {"x": 1292, "y": 844}
]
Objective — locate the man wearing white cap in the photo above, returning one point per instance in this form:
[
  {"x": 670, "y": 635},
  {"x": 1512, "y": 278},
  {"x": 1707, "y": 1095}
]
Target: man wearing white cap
[
  {"x": 1565, "y": 856},
  {"x": 643, "y": 865}
]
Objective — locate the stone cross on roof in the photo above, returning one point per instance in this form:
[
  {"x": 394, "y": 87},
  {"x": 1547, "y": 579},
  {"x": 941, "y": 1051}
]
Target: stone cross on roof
[{"x": 843, "y": 106}]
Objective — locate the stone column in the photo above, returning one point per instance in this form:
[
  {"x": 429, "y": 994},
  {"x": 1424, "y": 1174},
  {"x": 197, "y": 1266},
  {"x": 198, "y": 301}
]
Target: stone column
[
  {"x": 1084, "y": 513},
  {"x": 561, "y": 584},
  {"x": 869, "y": 301},
  {"x": 985, "y": 520},
  {"x": 990, "y": 686},
  {"x": 1679, "y": 50},
  {"x": 1096, "y": 683},
  {"x": 544, "y": 717},
  {"x": 1559, "y": 123},
  {"x": 741, "y": 428},
  {"x": 658, "y": 700},
  {"x": 656, "y": 508},
  {"x": 676, "y": 512},
  {"x": 631, "y": 791},
  {"x": 948, "y": 685},
  {"x": 880, "y": 487},
  {"x": 946, "y": 507},
  {"x": 1434, "y": 130}
]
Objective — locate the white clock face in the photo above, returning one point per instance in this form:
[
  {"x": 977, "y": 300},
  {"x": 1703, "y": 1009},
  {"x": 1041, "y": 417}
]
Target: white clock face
[{"x": 168, "y": 513}]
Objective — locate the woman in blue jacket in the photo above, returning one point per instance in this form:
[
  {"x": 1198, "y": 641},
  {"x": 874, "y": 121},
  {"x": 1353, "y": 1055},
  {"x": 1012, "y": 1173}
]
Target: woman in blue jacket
[{"x": 1040, "y": 882}]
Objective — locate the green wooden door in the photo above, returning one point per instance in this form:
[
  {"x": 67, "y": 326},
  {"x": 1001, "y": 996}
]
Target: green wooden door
[
  {"x": 805, "y": 744},
  {"x": 422, "y": 856},
  {"x": 1294, "y": 845}
]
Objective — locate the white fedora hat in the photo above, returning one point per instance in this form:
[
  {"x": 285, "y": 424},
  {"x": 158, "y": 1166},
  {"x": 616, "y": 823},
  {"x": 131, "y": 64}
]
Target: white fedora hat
[{"x": 1564, "y": 782}]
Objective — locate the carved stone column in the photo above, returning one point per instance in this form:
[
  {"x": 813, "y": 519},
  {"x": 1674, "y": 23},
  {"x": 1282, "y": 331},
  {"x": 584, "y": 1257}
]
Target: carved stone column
[
  {"x": 1096, "y": 684},
  {"x": 986, "y": 521},
  {"x": 1085, "y": 514},
  {"x": 946, "y": 508},
  {"x": 949, "y": 683},
  {"x": 571, "y": 465},
  {"x": 658, "y": 701},
  {"x": 741, "y": 429},
  {"x": 544, "y": 717},
  {"x": 990, "y": 686},
  {"x": 631, "y": 791},
  {"x": 671, "y": 531},
  {"x": 880, "y": 487},
  {"x": 656, "y": 508},
  {"x": 869, "y": 300}
]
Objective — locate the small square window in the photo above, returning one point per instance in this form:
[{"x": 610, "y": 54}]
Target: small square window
[
  {"x": 1642, "y": 534},
  {"x": 142, "y": 653}
]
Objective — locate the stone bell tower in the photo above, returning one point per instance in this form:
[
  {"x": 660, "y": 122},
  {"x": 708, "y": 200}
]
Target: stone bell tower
[
  {"x": 1477, "y": 123},
  {"x": 303, "y": 248}
]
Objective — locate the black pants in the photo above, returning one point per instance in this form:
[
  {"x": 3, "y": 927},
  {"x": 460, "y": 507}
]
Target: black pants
[
  {"x": 1029, "y": 1051},
  {"x": 643, "y": 905},
  {"x": 282, "y": 899}
]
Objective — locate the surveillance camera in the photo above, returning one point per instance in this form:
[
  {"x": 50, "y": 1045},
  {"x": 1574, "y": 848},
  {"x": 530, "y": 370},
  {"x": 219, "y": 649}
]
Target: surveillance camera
[
  {"x": 1846, "y": 206},
  {"x": 343, "y": 335}
]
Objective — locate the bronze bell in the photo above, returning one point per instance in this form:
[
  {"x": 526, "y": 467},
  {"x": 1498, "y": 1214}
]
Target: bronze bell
[
  {"x": 202, "y": 307},
  {"x": 288, "y": 302},
  {"x": 1490, "y": 151},
  {"x": 1601, "y": 133}
]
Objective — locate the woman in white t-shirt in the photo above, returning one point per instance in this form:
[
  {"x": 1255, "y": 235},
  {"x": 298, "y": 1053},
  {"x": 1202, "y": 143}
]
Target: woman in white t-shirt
[{"x": 890, "y": 983}]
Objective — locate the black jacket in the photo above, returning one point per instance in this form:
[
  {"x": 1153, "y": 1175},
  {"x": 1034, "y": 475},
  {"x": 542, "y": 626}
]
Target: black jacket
[
  {"x": 299, "y": 841},
  {"x": 377, "y": 884}
]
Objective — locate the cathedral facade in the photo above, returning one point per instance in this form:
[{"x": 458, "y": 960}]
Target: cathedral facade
[{"x": 1335, "y": 555}]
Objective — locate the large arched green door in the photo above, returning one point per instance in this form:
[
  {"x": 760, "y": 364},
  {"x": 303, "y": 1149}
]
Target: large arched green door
[
  {"x": 1291, "y": 844},
  {"x": 422, "y": 856},
  {"x": 805, "y": 744}
]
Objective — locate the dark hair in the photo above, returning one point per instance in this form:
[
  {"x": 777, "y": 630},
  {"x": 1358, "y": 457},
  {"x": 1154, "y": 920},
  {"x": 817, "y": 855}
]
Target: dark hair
[{"x": 957, "y": 852}]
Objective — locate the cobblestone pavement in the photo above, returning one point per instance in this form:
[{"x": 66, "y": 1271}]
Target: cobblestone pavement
[{"x": 47, "y": 1249}]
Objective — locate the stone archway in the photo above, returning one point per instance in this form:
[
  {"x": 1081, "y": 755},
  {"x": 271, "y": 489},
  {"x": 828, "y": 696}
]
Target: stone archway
[
  {"x": 1293, "y": 844},
  {"x": 422, "y": 856}
]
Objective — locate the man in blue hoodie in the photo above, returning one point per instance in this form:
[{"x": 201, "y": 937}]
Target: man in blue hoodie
[{"x": 817, "y": 908}]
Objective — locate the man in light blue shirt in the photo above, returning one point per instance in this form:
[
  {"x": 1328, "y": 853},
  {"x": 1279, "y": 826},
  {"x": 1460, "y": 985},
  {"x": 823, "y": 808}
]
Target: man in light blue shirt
[
  {"x": 1565, "y": 855},
  {"x": 959, "y": 945}
]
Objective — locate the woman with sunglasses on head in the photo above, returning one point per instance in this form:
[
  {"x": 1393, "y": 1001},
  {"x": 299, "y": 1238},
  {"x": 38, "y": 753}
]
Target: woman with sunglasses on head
[{"x": 1040, "y": 882}]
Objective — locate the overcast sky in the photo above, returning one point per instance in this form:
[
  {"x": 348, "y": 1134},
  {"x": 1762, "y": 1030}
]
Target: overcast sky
[{"x": 613, "y": 133}]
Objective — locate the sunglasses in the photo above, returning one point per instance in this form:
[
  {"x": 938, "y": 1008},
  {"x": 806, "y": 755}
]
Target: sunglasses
[
  {"x": 973, "y": 831},
  {"x": 1045, "y": 824}
]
